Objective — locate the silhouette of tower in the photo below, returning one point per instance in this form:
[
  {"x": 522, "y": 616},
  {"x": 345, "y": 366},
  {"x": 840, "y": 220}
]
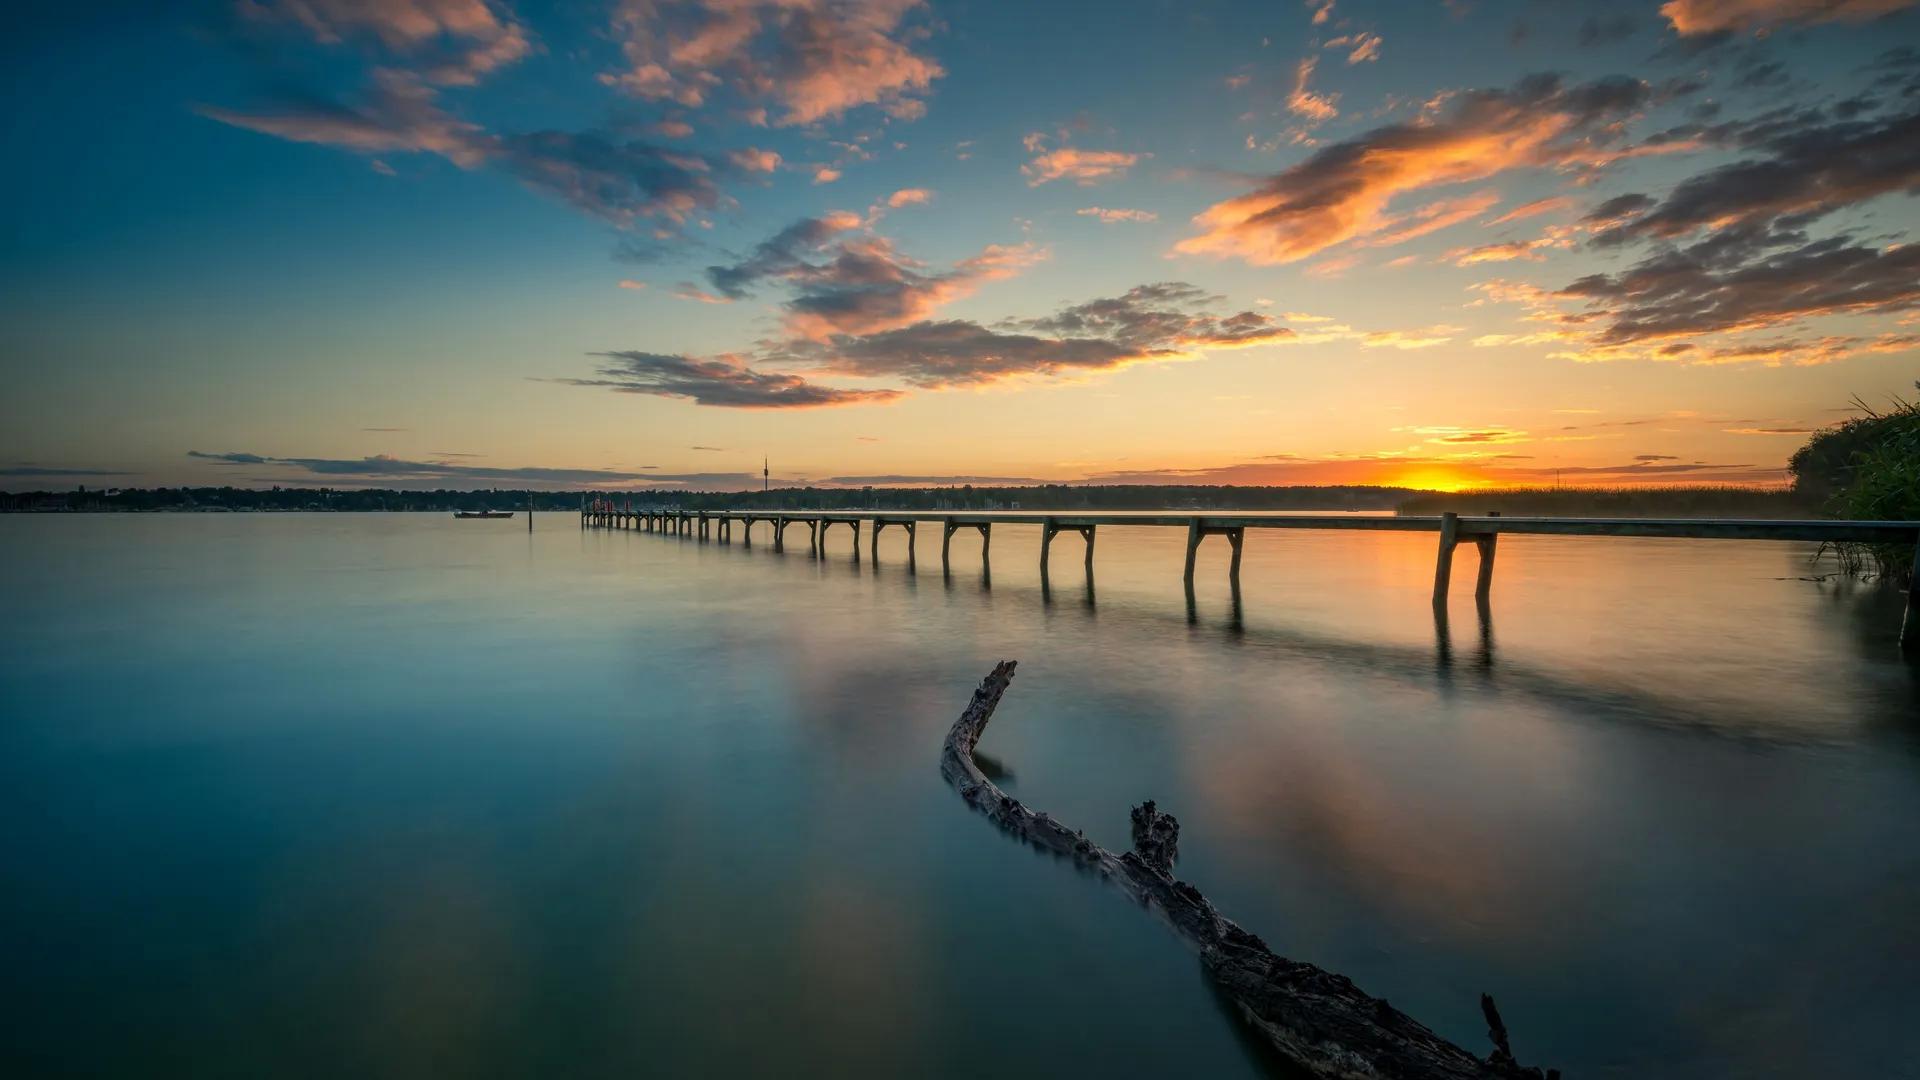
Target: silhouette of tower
[{"x": 766, "y": 475}]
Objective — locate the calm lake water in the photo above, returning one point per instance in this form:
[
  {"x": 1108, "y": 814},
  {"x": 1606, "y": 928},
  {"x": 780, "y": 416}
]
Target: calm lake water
[{"x": 398, "y": 795}]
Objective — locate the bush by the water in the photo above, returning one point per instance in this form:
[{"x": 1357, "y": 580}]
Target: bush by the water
[{"x": 1868, "y": 469}]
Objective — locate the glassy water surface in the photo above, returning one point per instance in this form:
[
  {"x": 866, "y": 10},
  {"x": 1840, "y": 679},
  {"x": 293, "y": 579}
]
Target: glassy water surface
[{"x": 396, "y": 795}]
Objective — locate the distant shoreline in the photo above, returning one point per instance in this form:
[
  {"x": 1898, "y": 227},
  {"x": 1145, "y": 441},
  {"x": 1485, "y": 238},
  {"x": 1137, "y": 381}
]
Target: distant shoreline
[{"x": 1722, "y": 502}]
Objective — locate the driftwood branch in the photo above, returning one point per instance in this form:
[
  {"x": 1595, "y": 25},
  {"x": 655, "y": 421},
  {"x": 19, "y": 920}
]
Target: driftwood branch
[{"x": 1316, "y": 1020}]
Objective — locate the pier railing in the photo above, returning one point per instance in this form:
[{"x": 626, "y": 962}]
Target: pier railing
[{"x": 1451, "y": 529}]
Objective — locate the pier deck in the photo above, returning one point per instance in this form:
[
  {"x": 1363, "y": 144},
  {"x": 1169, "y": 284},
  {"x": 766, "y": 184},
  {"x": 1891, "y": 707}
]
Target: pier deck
[{"x": 1451, "y": 529}]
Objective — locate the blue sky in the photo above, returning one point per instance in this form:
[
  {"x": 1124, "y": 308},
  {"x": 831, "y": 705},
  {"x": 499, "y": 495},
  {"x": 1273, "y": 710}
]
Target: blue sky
[{"x": 441, "y": 241}]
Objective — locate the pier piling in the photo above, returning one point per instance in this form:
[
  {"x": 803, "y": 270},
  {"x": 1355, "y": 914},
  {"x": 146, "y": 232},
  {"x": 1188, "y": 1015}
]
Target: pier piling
[
  {"x": 1910, "y": 627},
  {"x": 1443, "y": 567}
]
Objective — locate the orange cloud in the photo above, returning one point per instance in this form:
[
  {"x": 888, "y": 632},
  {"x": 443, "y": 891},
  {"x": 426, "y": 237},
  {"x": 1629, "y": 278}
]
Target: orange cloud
[
  {"x": 1533, "y": 209},
  {"x": 450, "y": 42},
  {"x": 1433, "y": 217},
  {"x": 816, "y": 59},
  {"x": 1083, "y": 167},
  {"x": 1344, "y": 190},
  {"x": 1363, "y": 47},
  {"x": 1317, "y": 108},
  {"x": 751, "y": 159},
  {"x": 1691, "y": 17}
]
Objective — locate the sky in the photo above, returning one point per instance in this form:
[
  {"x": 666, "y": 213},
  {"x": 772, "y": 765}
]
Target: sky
[{"x": 652, "y": 244}]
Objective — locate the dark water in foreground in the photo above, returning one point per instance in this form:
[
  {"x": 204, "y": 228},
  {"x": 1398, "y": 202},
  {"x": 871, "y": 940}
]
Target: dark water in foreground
[{"x": 398, "y": 795}]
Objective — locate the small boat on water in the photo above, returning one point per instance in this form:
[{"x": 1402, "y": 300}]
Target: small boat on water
[{"x": 483, "y": 513}]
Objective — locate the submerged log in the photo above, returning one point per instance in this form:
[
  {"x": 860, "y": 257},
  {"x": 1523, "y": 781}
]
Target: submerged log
[{"x": 1315, "y": 1020}]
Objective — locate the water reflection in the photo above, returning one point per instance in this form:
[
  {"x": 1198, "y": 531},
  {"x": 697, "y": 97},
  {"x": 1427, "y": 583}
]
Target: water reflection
[{"x": 616, "y": 793}]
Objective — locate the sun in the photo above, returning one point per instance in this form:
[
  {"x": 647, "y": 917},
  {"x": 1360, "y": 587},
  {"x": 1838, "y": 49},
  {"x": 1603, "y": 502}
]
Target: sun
[{"x": 1437, "y": 478}]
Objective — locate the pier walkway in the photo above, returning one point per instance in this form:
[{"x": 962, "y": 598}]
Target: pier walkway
[{"x": 1452, "y": 530}]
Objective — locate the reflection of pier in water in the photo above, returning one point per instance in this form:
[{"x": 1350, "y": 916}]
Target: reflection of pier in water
[{"x": 1452, "y": 530}]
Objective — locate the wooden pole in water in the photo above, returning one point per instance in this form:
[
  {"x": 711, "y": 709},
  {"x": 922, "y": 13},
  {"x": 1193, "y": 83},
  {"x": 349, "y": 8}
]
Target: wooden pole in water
[
  {"x": 1193, "y": 547},
  {"x": 1487, "y": 543},
  {"x": 1910, "y": 628},
  {"x": 1443, "y": 569}
]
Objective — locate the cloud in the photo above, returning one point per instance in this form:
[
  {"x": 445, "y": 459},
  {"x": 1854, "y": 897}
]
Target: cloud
[
  {"x": 1808, "y": 171},
  {"x": 1433, "y": 217},
  {"x": 814, "y": 60},
  {"x": 1551, "y": 204},
  {"x": 1161, "y": 322},
  {"x": 1344, "y": 190},
  {"x": 1083, "y": 167},
  {"x": 720, "y": 382},
  {"x": 397, "y": 115},
  {"x": 1363, "y": 47},
  {"x": 230, "y": 458},
  {"x": 847, "y": 280},
  {"x": 1454, "y": 436},
  {"x": 1693, "y": 17},
  {"x": 385, "y": 467},
  {"x": 1723, "y": 285},
  {"x": 450, "y": 42},
  {"x": 629, "y": 283},
  {"x": 754, "y": 160},
  {"x": 825, "y": 174},
  {"x": 1770, "y": 431},
  {"x": 620, "y": 181},
  {"x": 1165, "y": 321},
  {"x": 909, "y": 197},
  {"x": 1109, "y": 217},
  {"x": 1316, "y": 108},
  {"x": 1502, "y": 252}
]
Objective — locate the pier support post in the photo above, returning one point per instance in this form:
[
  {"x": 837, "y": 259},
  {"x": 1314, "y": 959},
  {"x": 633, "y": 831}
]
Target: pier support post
[
  {"x": 946, "y": 543},
  {"x": 1088, "y": 533},
  {"x": 1910, "y": 628},
  {"x": 1048, "y": 527},
  {"x": 1487, "y": 543},
  {"x": 1235, "y": 537},
  {"x": 1443, "y": 568},
  {"x": 1193, "y": 548}
]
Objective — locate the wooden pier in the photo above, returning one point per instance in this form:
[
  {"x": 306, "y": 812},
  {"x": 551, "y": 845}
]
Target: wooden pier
[{"x": 1452, "y": 529}]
